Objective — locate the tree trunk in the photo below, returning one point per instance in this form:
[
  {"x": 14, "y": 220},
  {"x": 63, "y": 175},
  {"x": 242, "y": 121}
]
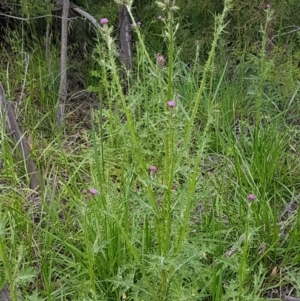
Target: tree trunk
[
  {"x": 63, "y": 66},
  {"x": 125, "y": 37}
]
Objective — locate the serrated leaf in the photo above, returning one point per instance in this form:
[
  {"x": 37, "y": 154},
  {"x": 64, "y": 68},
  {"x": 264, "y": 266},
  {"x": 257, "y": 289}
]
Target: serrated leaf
[{"x": 26, "y": 275}]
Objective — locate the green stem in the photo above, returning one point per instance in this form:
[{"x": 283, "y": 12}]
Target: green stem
[
  {"x": 170, "y": 58},
  {"x": 7, "y": 267}
]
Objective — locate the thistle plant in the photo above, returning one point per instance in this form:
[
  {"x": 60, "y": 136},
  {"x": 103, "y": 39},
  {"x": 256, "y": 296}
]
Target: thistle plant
[{"x": 160, "y": 198}]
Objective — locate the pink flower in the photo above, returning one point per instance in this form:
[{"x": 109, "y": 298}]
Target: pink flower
[
  {"x": 159, "y": 17},
  {"x": 137, "y": 23},
  {"x": 268, "y": 6},
  {"x": 251, "y": 197},
  {"x": 103, "y": 21},
  {"x": 153, "y": 170},
  {"x": 94, "y": 191},
  {"x": 160, "y": 60},
  {"x": 171, "y": 103}
]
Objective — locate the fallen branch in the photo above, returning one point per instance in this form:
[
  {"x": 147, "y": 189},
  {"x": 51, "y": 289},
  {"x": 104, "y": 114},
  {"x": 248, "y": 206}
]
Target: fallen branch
[
  {"x": 288, "y": 298},
  {"x": 14, "y": 130},
  {"x": 86, "y": 15},
  {"x": 297, "y": 28}
]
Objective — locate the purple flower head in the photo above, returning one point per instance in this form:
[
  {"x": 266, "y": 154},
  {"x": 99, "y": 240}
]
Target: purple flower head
[
  {"x": 137, "y": 24},
  {"x": 171, "y": 103},
  {"x": 268, "y": 6},
  {"x": 103, "y": 21},
  {"x": 159, "y": 17},
  {"x": 160, "y": 60},
  {"x": 251, "y": 197},
  {"x": 153, "y": 170},
  {"x": 94, "y": 191}
]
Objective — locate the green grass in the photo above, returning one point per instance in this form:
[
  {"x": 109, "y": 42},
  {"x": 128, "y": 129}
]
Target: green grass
[{"x": 186, "y": 232}]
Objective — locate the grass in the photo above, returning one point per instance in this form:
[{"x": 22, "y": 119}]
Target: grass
[{"x": 187, "y": 231}]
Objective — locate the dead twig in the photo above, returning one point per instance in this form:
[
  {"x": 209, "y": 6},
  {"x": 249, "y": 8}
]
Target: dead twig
[
  {"x": 63, "y": 65},
  {"x": 285, "y": 33},
  {"x": 14, "y": 130},
  {"x": 288, "y": 298},
  {"x": 86, "y": 15}
]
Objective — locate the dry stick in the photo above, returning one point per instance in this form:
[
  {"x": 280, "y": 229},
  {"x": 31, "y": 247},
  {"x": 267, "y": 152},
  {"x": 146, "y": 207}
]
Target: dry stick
[
  {"x": 125, "y": 45},
  {"x": 47, "y": 52},
  {"x": 14, "y": 130},
  {"x": 47, "y": 41},
  {"x": 288, "y": 298},
  {"x": 86, "y": 15},
  {"x": 125, "y": 37},
  {"x": 63, "y": 65},
  {"x": 285, "y": 33}
]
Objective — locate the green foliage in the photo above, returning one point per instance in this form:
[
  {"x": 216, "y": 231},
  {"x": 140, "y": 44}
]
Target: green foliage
[
  {"x": 105, "y": 227},
  {"x": 32, "y": 8}
]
